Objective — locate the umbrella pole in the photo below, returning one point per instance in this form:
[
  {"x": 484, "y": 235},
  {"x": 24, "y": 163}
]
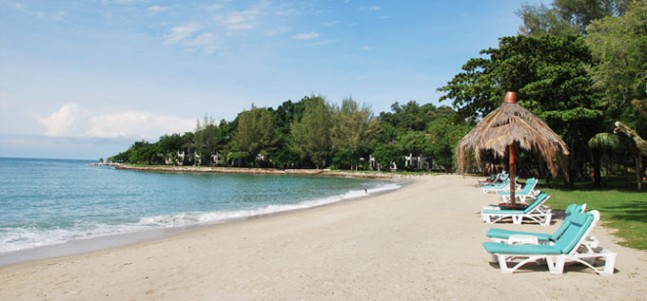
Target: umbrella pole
[{"x": 513, "y": 169}]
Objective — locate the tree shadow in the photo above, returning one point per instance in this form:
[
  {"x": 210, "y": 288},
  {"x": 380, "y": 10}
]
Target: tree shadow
[{"x": 632, "y": 210}]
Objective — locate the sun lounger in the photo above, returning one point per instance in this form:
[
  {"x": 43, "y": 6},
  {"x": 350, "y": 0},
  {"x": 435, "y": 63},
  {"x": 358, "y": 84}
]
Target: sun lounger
[
  {"x": 497, "y": 178},
  {"x": 528, "y": 192},
  {"x": 516, "y": 237},
  {"x": 569, "y": 248},
  {"x": 535, "y": 212},
  {"x": 493, "y": 188}
]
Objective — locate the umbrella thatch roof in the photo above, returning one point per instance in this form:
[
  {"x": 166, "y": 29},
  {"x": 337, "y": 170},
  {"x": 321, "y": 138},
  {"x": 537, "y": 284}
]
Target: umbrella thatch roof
[{"x": 508, "y": 124}]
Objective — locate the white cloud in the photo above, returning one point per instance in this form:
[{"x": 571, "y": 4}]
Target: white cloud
[
  {"x": 239, "y": 20},
  {"x": 189, "y": 35},
  {"x": 71, "y": 120},
  {"x": 45, "y": 15},
  {"x": 157, "y": 9},
  {"x": 373, "y": 8},
  {"x": 181, "y": 32},
  {"x": 215, "y": 7},
  {"x": 207, "y": 41},
  {"x": 323, "y": 42},
  {"x": 306, "y": 36}
]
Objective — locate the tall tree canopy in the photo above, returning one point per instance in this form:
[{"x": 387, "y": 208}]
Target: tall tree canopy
[
  {"x": 255, "y": 134},
  {"x": 353, "y": 129},
  {"x": 311, "y": 133},
  {"x": 550, "y": 75},
  {"x": 620, "y": 46},
  {"x": 566, "y": 17}
]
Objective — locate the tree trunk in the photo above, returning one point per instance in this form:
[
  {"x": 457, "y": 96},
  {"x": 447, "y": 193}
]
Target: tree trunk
[
  {"x": 596, "y": 168},
  {"x": 639, "y": 171},
  {"x": 570, "y": 182}
]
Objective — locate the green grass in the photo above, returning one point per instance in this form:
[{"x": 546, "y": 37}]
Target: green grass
[{"x": 621, "y": 207}]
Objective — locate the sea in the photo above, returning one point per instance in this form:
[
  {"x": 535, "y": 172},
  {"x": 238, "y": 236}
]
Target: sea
[{"x": 51, "y": 207}]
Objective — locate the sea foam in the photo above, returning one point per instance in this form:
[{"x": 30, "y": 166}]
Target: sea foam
[{"x": 24, "y": 238}]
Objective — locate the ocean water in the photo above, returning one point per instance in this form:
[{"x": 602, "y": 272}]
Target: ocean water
[{"x": 51, "y": 202}]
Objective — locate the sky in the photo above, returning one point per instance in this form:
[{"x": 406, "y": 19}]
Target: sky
[{"x": 86, "y": 79}]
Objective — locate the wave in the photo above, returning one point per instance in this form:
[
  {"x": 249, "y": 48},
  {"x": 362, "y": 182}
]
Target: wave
[{"x": 17, "y": 239}]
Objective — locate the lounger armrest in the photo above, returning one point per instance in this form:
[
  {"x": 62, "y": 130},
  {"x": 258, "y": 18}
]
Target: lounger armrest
[{"x": 517, "y": 239}]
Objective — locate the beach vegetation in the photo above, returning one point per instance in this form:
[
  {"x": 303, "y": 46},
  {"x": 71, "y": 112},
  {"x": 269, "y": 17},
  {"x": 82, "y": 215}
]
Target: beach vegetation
[
  {"x": 623, "y": 209},
  {"x": 550, "y": 74},
  {"x": 310, "y": 133},
  {"x": 255, "y": 136},
  {"x": 353, "y": 128},
  {"x": 567, "y": 17}
]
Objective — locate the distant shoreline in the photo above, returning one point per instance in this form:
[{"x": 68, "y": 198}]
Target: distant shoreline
[{"x": 272, "y": 171}]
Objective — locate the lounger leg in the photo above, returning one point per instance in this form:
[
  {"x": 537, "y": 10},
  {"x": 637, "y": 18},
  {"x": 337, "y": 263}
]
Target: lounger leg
[
  {"x": 503, "y": 265},
  {"x": 517, "y": 219},
  {"x": 547, "y": 218},
  {"x": 555, "y": 264},
  {"x": 609, "y": 263}
]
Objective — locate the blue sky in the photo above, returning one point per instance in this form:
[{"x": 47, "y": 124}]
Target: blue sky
[{"x": 85, "y": 79}]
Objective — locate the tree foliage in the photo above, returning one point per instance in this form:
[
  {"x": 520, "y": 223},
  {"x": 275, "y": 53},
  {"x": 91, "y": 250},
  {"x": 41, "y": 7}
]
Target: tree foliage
[
  {"x": 550, "y": 75},
  {"x": 353, "y": 128},
  {"x": 311, "y": 133},
  {"x": 311, "y": 138},
  {"x": 620, "y": 46},
  {"x": 566, "y": 17},
  {"x": 255, "y": 135}
]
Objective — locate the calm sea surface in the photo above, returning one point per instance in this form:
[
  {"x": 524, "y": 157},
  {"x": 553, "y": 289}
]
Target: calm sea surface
[{"x": 48, "y": 202}]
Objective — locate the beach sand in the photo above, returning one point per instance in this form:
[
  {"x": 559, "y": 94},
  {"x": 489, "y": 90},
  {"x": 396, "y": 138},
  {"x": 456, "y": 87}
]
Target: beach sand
[{"x": 422, "y": 242}]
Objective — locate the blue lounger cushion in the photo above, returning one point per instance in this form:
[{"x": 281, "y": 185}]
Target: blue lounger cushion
[
  {"x": 579, "y": 223},
  {"x": 495, "y": 247},
  {"x": 505, "y": 234}
]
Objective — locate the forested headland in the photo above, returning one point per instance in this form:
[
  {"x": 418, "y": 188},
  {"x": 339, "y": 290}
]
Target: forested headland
[{"x": 581, "y": 66}]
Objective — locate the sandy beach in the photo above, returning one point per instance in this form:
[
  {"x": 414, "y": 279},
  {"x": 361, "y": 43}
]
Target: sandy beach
[{"x": 422, "y": 242}]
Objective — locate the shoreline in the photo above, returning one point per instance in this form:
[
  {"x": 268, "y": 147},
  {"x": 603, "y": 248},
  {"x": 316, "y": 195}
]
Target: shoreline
[
  {"x": 97, "y": 244},
  {"x": 264, "y": 171},
  {"x": 422, "y": 241}
]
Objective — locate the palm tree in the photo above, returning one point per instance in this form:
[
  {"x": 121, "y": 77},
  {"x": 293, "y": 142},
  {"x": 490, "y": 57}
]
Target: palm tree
[
  {"x": 599, "y": 145},
  {"x": 637, "y": 149}
]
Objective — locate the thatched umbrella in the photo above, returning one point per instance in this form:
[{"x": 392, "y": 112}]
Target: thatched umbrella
[{"x": 505, "y": 127}]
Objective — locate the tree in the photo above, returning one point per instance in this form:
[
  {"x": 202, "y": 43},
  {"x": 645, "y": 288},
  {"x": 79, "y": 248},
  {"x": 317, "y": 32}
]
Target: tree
[
  {"x": 637, "y": 148},
  {"x": 566, "y": 17},
  {"x": 141, "y": 152},
  {"x": 353, "y": 128},
  {"x": 208, "y": 138},
  {"x": 600, "y": 145},
  {"x": 255, "y": 135},
  {"x": 311, "y": 133},
  {"x": 550, "y": 75},
  {"x": 171, "y": 145},
  {"x": 540, "y": 20},
  {"x": 444, "y": 131},
  {"x": 410, "y": 116},
  {"x": 388, "y": 154},
  {"x": 619, "y": 44}
]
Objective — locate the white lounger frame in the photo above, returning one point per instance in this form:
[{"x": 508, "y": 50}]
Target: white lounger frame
[{"x": 586, "y": 252}]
